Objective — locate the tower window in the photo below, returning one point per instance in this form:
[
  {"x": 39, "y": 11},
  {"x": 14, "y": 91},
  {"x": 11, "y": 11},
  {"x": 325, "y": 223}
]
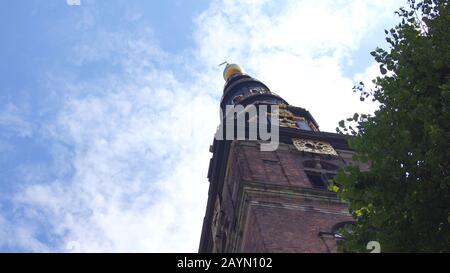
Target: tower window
[
  {"x": 303, "y": 125},
  {"x": 310, "y": 164},
  {"x": 316, "y": 180},
  {"x": 238, "y": 99},
  {"x": 328, "y": 177},
  {"x": 347, "y": 225},
  {"x": 328, "y": 166},
  {"x": 255, "y": 91}
]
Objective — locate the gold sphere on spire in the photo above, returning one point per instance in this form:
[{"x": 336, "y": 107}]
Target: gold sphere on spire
[{"x": 231, "y": 70}]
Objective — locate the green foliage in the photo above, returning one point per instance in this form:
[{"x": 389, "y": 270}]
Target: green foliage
[{"x": 402, "y": 198}]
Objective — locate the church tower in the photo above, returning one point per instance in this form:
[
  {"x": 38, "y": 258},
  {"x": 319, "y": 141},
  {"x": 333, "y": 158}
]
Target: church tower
[{"x": 273, "y": 201}]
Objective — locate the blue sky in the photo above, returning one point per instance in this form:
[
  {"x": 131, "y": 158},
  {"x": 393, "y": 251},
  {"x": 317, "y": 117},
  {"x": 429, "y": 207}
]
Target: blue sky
[{"x": 107, "y": 108}]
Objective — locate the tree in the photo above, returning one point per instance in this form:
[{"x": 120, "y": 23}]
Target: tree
[{"x": 403, "y": 199}]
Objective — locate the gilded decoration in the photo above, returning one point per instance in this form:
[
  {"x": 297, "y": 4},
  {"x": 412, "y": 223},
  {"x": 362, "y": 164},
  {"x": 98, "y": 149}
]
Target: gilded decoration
[
  {"x": 287, "y": 119},
  {"x": 314, "y": 146}
]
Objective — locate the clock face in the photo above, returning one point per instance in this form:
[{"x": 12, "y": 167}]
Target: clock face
[{"x": 313, "y": 146}]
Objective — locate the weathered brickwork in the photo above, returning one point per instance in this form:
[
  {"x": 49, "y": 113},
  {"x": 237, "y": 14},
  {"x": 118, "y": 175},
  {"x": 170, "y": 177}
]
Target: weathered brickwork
[
  {"x": 269, "y": 205},
  {"x": 289, "y": 230}
]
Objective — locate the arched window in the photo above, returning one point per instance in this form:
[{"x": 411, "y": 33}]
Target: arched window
[{"x": 348, "y": 225}]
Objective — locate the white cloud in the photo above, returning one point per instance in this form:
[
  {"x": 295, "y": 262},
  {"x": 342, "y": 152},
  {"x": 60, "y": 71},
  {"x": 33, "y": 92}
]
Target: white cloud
[
  {"x": 140, "y": 157},
  {"x": 13, "y": 121},
  {"x": 299, "y": 50},
  {"x": 368, "y": 75},
  {"x": 73, "y": 2},
  {"x": 19, "y": 235},
  {"x": 140, "y": 138}
]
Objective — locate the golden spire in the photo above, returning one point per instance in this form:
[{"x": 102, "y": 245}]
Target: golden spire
[{"x": 231, "y": 70}]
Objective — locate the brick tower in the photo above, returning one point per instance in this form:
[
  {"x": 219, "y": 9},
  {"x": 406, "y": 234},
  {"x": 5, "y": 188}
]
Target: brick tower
[{"x": 273, "y": 201}]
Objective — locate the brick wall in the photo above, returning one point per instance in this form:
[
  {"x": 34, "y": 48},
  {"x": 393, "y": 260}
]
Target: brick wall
[{"x": 269, "y": 205}]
